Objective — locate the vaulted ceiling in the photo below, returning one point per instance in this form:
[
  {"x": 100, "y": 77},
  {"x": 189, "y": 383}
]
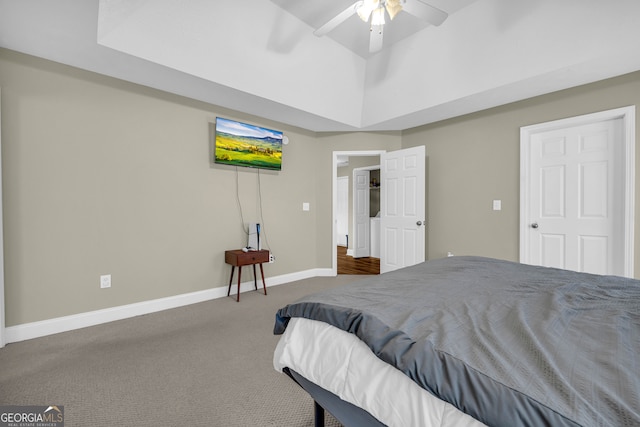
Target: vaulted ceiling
[{"x": 261, "y": 57}]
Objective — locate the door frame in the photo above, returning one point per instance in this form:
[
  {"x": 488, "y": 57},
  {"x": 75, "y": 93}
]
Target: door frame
[
  {"x": 627, "y": 114},
  {"x": 334, "y": 198}
]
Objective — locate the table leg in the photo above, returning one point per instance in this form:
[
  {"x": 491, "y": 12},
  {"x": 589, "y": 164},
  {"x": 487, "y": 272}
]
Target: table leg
[
  {"x": 255, "y": 278},
  {"x": 264, "y": 285},
  {"x": 239, "y": 274},
  {"x": 233, "y": 267}
]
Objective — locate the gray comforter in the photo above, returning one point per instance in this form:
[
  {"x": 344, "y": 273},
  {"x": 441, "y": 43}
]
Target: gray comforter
[{"x": 509, "y": 344}]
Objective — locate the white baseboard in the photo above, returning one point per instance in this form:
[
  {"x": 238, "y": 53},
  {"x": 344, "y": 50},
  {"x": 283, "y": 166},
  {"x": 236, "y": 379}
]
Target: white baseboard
[
  {"x": 349, "y": 252},
  {"x": 42, "y": 328}
]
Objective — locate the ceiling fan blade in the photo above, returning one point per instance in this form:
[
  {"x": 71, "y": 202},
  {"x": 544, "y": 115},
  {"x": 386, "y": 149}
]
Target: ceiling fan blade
[
  {"x": 393, "y": 7},
  {"x": 426, "y": 12},
  {"x": 337, "y": 20},
  {"x": 375, "y": 39}
]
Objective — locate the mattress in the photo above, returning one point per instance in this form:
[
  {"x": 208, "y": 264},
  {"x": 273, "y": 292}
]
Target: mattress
[{"x": 342, "y": 364}]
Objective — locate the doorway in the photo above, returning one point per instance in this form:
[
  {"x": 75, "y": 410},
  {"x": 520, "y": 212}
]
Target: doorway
[
  {"x": 402, "y": 206},
  {"x": 576, "y": 195},
  {"x": 341, "y": 254}
]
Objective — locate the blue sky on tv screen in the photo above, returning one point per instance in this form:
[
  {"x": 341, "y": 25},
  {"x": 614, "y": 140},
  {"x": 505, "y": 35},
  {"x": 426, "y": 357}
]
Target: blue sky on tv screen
[{"x": 245, "y": 129}]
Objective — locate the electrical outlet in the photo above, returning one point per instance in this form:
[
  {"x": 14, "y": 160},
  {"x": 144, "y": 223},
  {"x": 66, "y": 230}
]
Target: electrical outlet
[
  {"x": 105, "y": 281},
  {"x": 272, "y": 258}
]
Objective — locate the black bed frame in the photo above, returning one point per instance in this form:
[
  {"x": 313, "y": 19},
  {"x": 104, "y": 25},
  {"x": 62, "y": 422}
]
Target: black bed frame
[{"x": 346, "y": 413}]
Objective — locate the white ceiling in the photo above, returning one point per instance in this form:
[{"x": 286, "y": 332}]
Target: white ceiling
[
  {"x": 353, "y": 33},
  {"x": 261, "y": 57}
]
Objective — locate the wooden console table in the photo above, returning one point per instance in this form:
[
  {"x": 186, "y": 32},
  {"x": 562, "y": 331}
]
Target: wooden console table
[{"x": 238, "y": 258}]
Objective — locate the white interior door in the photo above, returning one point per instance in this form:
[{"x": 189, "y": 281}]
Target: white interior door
[
  {"x": 402, "y": 208},
  {"x": 342, "y": 211},
  {"x": 574, "y": 216},
  {"x": 361, "y": 223}
]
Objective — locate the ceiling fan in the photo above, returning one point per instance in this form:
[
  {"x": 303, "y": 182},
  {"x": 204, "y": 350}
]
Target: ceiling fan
[{"x": 374, "y": 11}]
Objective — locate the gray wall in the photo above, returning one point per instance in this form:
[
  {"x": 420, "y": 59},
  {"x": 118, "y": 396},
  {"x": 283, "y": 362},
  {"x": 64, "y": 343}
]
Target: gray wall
[
  {"x": 474, "y": 159},
  {"x": 101, "y": 176}
]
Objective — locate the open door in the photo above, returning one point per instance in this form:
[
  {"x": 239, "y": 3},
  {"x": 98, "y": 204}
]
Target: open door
[{"x": 402, "y": 208}]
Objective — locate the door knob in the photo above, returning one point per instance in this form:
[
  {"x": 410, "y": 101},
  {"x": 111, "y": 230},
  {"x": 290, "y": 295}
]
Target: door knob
[
  {"x": 534, "y": 225},
  {"x": 419, "y": 223}
]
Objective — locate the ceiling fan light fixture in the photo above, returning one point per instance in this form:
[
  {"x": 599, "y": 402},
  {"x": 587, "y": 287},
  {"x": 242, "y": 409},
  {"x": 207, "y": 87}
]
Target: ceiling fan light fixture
[
  {"x": 366, "y": 8},
  {"x": 393, "y": 7}
]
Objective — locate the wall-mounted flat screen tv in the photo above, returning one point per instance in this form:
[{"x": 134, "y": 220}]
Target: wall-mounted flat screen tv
[{"x": 242, "y": 144}]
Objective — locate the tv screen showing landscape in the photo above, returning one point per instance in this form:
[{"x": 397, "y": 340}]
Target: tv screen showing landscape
[{"x": 242, "y": 144}]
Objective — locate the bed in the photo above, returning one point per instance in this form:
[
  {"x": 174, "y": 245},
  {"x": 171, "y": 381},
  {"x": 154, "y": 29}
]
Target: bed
[{"x": 469, "y": 341}]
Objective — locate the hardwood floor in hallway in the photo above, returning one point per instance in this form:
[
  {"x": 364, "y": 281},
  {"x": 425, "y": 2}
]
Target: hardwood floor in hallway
[{"x": 351, "y": 265}]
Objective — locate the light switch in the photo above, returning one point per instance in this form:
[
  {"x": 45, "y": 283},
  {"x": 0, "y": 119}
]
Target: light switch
[
  {"x": 497, "y": 205},
  {"x": 305, "y": 206}
]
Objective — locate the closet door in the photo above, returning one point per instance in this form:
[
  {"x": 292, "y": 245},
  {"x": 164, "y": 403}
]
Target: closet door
[
  {"x": 342, "y": 211},
  {"x": 361, "y": 232}
]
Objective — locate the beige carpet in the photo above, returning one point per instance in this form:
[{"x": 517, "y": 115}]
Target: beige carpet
[{"x": 208, "y": 364}]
